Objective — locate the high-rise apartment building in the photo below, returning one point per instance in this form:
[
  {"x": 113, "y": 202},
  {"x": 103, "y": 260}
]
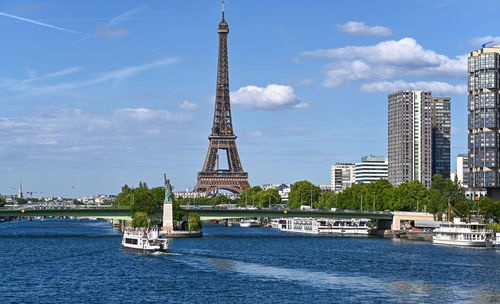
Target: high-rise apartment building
[
  {"x": 370, "y": 169},
  {"x": 484, "y": 120},
  {"x": 342, "y": 176},
  {"x": 409, "y": 137},
  {"x": 462, "y": 169},
  {"x": 441, "y": 135}
]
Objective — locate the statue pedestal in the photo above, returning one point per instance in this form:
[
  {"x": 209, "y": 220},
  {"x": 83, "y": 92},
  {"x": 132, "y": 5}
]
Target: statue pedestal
[{"x": 168, "y": 217}]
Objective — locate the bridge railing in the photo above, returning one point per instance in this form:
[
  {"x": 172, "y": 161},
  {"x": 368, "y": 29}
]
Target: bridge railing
[{"x": 251, "y": 208}]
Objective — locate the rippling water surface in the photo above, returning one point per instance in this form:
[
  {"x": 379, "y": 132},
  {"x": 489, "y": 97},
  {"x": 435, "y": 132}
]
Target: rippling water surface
[{"x": 66, "y": 261}]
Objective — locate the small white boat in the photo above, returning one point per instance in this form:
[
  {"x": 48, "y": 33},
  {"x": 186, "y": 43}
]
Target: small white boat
[
  {"x": 249, "y": 223},
  {"x": 145, "y": 240},
  {"x": 460, "y": 234},
  {"x": 493, "y": 240}
]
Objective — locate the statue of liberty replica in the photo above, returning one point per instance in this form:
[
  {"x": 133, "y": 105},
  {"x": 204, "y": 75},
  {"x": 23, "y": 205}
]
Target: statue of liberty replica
[{"x": 168, "y": 213}]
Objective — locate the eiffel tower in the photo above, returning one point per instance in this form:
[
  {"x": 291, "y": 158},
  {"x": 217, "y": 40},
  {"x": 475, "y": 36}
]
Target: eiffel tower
[{"x": 211, "y": 178}]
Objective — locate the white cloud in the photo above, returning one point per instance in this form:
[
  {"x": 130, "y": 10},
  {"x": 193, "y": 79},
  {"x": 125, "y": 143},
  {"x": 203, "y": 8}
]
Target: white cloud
[
  {"x": 64, "y": 72},
  {"x": 437, "y": 87},
  {"x": 189, "y": 106},
  {"x": 388, "y": 59},
  {"x": 254, "y": 133},
  {"x": 405, "y": 52},
  {"x": 478, "y": 41},
  {"x": 273, "y": 97},
  {"x": 144, "y": 114},
  {"x": 26, "y": 89},
  {"x": 131, "y": 71},
  {"x": 47, "y": 134},
  {"x": 339, "y": 72},
  {"x": 360, "y": 28}
]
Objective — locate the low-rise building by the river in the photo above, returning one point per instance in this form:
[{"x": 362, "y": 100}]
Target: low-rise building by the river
[{"x": 342, "y": 176}]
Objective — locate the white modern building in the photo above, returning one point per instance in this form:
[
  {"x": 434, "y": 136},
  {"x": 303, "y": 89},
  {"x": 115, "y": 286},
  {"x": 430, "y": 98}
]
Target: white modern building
[
  {"x": 342, "y": 176},
  {"x": 462, "y": 169},
  {"x": 371, "y": 168}
]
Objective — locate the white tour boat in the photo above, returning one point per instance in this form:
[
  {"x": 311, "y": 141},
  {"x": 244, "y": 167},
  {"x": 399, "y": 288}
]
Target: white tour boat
[
  {"x": 493, "y": 240},
  {"x": 249, "y": 223},
  {"x": 460, "y": 234},
  {"x": 323, "y": 226},
  {"x": 354, "y": 226},
  {"x": 145, "y": 240}
]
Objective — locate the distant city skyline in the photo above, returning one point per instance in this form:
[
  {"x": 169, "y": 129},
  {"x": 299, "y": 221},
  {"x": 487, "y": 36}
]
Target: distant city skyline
[{"x": 95, "y": 95}]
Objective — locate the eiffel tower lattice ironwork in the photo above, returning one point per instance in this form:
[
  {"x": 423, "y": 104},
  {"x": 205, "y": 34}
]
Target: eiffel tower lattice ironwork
[{"x": 222, "y": 138}]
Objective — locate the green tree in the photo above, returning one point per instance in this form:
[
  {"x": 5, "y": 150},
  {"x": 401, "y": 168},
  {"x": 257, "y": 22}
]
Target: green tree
[
  {"x": 302, "y": 193},
  {"x": 158, "y": 194},
  {"x": 379, "y": 195},
  {"x": 408, "y": 195},
  {"x": 221, "y": 199},
  {"x": 445, "y": 190},
  {"x": 493, "y": 211},
  {"x": 462, "y": 208},
  {"x": 327, "y": 200},
  {"x": 436, "y": 201},
  {"x": 143, "y": 201},
  {"x": 178, "y": 212},
  {"x": 123, "y": 198},
  {"x": 248, "y": 196},
  {"x": 140, "y": 219},
  {"x": 267, "y": 197},
  {"x": 456, "y": 191},
  {"x": 483, "y": 206},
  {"x": 194, "y": 222},
  {"x": 3, "y": 201}
]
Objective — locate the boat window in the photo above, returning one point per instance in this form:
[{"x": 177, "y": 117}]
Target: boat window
[{"x": 131, "y": 241}]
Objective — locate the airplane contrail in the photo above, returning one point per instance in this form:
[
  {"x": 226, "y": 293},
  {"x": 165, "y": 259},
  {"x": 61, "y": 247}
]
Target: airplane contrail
[
  {"x": 119, "y": 19},
  {"x": 38, "y": 23},
  {"x": 114, "y": 21}
]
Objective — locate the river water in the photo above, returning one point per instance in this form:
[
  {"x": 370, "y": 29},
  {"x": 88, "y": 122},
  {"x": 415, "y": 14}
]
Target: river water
[{"x": 66, "y": 261}]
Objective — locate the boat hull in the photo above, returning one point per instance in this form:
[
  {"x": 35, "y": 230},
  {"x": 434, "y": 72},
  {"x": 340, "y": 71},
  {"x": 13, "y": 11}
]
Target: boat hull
[
  {"x": 247, "y": 225},
  {"x": 493, "y": 243},
  {"x": 144, "y": 250},
  {"x": 346, "y": 232},
  {"x": 462, "y": 243}
]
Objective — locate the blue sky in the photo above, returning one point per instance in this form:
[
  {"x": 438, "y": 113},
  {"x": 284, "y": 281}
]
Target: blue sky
[{"x": 97, "y": 94}]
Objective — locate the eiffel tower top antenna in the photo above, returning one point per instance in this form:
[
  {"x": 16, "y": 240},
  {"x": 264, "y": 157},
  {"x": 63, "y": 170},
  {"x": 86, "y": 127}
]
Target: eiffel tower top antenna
[{"x": 222, "y": 9}]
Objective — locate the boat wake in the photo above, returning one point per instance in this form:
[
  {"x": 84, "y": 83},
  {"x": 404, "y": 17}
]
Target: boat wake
[{"x": 414, "y": 291}]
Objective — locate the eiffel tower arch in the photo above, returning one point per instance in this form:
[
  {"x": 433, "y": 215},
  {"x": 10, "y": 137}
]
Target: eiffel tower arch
[{"x": 222, "y": 138}]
